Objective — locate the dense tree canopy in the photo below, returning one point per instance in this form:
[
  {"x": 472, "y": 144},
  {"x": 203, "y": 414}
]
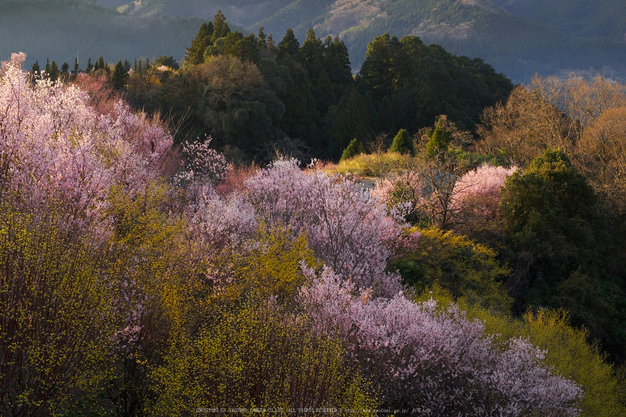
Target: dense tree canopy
[
  {"x": 207, "y": 281},
  {"x": 309, "y": 102}
]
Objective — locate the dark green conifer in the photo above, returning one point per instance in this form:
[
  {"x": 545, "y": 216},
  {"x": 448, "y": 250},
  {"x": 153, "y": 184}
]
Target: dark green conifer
[
  {"x": 353, "y": 149},
  {"x": 289, "y": 45},
  {"x": 34, "y": 69},
  {"x": 194, "y": 55},
  {"x": 119, "y": 77},
  {"x": 220, "y": 27},
  {"x": 76, "y": 69},
  {"x": 438, "y": 142},
  {"x": 65, "y": 71},
  {"x": 402, "y": 143}
]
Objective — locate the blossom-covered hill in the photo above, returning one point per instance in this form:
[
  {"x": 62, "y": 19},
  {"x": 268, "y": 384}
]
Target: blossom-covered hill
[{"x": 140, "y": 279}]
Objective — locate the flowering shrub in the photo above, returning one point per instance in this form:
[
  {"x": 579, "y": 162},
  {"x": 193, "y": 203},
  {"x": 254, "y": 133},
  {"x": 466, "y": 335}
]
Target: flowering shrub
[
  {"x": 56, "y": 149},
  {"x": 346, "y": 227},
  {"x": 204, "y": 165},
  {"x": 425, "y": 356},
  {"x": 479, "y": 190}
]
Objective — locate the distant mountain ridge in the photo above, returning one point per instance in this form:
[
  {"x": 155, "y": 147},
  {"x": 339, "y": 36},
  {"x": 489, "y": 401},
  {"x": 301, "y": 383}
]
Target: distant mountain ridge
[
  {"x": 519, "y": 37},
  {"x": 584, "y": 18}
]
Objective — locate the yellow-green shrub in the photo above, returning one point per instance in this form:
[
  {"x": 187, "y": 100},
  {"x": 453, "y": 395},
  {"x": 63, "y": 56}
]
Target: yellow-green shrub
[
  {"x": 55, "y": 315},
  {"x": 272, "y": 266},
  {"x": 151, "y": 269},
  {"x": 375, "y": 165},
  {"x": 462, "y": 267},
  {"x": 258, "y": 356}
]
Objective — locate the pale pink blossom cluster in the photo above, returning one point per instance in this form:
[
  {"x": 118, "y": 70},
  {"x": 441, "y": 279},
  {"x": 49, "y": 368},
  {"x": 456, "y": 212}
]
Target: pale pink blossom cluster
[
  {"x": 57, "y": 150},
  {"x": 425, "y": 356},
  {"x": 204, "y": 168},
  {"x": 480, "y": 189},
  {"x": 203, "y": 164},
  {"x": 402, "y": 193},
  {"x": 220, "y": 221},
  {"x": 346, "y": 227}
]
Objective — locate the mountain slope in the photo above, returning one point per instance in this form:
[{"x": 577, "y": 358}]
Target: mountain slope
[
  {"x": 518, "y": 37},
  {"x": 597, "y": 18},
  {"x": 513, "y": 45},
  {"x": 498, "y": 31},
  {"x": 59, "y": 30},
  {"x": 239, "y": 12}
]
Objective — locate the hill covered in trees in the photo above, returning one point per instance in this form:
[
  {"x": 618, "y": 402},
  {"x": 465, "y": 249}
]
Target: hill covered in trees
[
  {"x": 62, "y": 29},
  {"x": 602, "y": 18},
  {"x": 140, "y": 278},
  {"x": 517, "y": 38},
  {"x": 303, "y": 99}
]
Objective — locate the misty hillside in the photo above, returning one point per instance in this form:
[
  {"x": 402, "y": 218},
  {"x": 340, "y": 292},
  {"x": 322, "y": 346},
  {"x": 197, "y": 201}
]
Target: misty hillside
[
  {"x": 60, "y": 29},
  {"x": 599, "y": 18},
  {"x": 519, "y": 38}
]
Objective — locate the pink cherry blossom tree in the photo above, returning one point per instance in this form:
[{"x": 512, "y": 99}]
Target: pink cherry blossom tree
[
  {"x": 347, "y": 227},
  {"x": 57, "y": 150},
  {"x": 480, "y": 189},
  {"x": 432, "y": 358}
]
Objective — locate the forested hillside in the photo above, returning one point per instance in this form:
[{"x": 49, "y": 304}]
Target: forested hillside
[
  {"x": 600, "y": 18},
  {"x": 518, "y": 38},
  {"x": 60, "y": 30},
  {"x": 303, "y": 99},
  {"x": 257, "y": 230}
]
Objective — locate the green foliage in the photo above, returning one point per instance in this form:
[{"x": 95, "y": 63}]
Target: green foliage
[
  {"x": 438, "y": 142},
  {"x": 374, "y": 165},
  {"x": 234, "y": 105},
  {"x": 402, "y": 143},
  {"x": 549, "y": 213},
  {"x": 256, "y": 356},
  {"x": 289, "y": 45},
  {"x": 120, "y": 76},
  {"x": 558, "y": 246},
  {"x": 421, "y": 82},
  {"x": 308, "y": 102},
  {"x": 195, "y": 53},
  {"x": 274, "y": 268},
  {"x": 167, "y": 61},
  {"x": 353, "y": 149},
  {"x": 466, "y": 269},
  {"x": 350, "y": 121},
  {"x": 56, "y": 316},
  {"x": 149, "y": 267}
]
